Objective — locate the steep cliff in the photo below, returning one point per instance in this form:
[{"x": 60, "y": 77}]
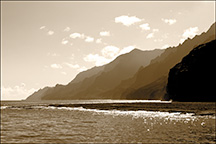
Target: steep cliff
[{"x": 193, "y": 79}]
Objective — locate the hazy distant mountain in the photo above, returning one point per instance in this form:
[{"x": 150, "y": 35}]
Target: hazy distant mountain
[
  {"x": 136, "y": 87},
  {"x": 91, "y": 83},
  {"x": 38, "y": 94},
  {"x": 193, "y": 79}
]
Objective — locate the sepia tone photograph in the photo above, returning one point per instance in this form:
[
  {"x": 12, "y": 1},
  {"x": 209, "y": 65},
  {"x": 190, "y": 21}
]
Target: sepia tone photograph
[{"x": 108, "y": 72}]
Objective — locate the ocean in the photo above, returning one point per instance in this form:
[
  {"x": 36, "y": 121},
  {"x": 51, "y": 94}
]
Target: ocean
[{"x": 47, "y": 122}]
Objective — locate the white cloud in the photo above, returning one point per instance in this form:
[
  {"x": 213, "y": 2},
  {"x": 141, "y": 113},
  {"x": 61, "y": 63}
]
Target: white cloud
[
  {"x": 75, "y": 66},
  {"x": 189, "y": 33},
  {"x": 126, "y": 20},
  {"x": 16, "y": 93},
  {"x": 151, "y": 35},
  {"x": 89, "y": 39},
  {"x": 83, "y": 68},
  {"x": 50, "y": 32},
  {"x": 145, "y": 26},
  {"x": 64, "y": 41},
  {"x": 77, "y": 35},
  {"x": 126, "y": 50},
  {"x": 67, "y": 29},
  {"x": 110, "y": 51},
  {"x": 169, "y": 21},
  {"x": 56, "y": 66},
  {"x": 42, "y": 27},
  {"x": 165, "y": 46},
  {"x": 97, "y": 59},
  {"x": 99, "y": 41},
  {"x": 105, "y": 33}
]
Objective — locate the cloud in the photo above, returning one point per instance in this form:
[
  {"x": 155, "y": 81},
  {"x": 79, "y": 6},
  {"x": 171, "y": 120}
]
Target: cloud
[
  {"x": 110, "y": 51},
  {"x": 99, "y": 41},
  {"x": 83, "y": 68},
  {"x": 64, "y": 41},
  {"x": 82, "y": 36},
  {"x": 126, "y": 20},
  {"x": 145, "y": 26},
  {"x": 16, "y": 93},
  {"x": 169, "y": 21},
  {"x": 105, "y": 33},
  {"x": 151, "y": 35},
  {"x": 42, "y": 27},
  {"x": 46, "y": 30},
  {"x": 75, "y": 66},
  {"x": 77, "y": 35},
  {"x": 165, "y": 46},
  {"x": 97, "y": 59},
  {"x": 67, "y": 29},
  {"x": 50, "y": 32},
  {"x": 56, "y": 66},
  {"x": 189, "y": 33},
  {"x": 89, "y": 39},
  {"x": 126, "y": 50}
]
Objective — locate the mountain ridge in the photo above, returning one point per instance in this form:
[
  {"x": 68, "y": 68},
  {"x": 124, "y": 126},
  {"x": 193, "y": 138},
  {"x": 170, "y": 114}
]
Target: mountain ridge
[
  {"x": 94, "y": 83},
  {"x": 160, "y": 66}
]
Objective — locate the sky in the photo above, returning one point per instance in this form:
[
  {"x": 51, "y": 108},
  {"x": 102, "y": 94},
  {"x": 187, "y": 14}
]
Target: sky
[{"x": 49, "y": 43}]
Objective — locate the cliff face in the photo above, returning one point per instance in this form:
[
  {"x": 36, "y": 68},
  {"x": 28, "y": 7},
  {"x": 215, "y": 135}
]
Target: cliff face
[{"x": 193, "y": 79}]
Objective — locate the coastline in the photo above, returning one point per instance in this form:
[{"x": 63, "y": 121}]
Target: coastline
[{"x": 198, "y": 108}]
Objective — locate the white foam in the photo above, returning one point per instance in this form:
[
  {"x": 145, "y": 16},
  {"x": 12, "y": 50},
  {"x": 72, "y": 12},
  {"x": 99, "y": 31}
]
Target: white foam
[
  {"x": 4, "y": 107},
  {"x": 134, "y": 114}
]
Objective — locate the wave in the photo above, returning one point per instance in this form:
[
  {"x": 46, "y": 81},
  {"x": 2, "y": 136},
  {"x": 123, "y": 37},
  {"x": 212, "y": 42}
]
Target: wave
[
  {"x": 114, "y": 112},
  {"x": 4, "y": 107}
]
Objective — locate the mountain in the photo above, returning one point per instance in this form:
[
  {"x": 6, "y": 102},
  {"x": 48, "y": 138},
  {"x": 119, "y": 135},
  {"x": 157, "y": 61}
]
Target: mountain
[
  {"x": 91, "y": 83},
  {"x": 157, "y": 69},
  {"x": 193, "y": 79},
  {"x": 38, "y": 94}
]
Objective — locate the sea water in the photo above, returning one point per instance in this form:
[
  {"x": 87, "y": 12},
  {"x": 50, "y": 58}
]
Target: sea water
[{"x": 37, "y": 122}]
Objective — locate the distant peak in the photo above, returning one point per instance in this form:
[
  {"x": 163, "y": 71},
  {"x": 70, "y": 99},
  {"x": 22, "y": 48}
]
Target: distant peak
[{"x": 136, "y": 49}]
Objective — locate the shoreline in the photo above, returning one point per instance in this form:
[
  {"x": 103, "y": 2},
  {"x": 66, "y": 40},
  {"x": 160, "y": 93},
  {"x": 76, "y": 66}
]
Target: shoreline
[{"x": 182, "y": 107}]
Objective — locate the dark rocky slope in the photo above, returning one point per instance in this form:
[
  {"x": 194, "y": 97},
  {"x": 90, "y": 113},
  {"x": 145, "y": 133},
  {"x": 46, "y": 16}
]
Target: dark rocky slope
[{"x": 193, "y": 79}]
